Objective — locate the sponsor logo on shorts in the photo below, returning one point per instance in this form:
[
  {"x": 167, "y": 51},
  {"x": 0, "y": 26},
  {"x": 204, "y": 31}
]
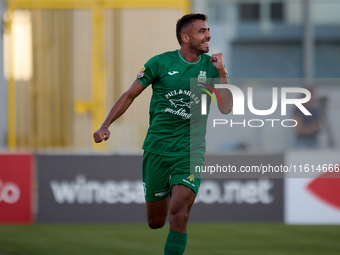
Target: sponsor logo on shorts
[
  {"x": 186, "y": 181},
  {"x": 191, "y": 180}
]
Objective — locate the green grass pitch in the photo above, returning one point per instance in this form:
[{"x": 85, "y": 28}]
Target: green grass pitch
[{"x": 203, "y": 239}]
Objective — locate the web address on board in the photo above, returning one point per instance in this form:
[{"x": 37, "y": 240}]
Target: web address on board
[{"x": 268, "y": 168}]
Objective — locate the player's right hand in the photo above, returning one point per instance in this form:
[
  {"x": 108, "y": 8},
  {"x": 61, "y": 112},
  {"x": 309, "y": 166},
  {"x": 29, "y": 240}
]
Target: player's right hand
[{"x": 101, "y": 134}]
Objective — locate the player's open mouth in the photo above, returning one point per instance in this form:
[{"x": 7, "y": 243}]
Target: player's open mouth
[{"x": 206, "y": 43}]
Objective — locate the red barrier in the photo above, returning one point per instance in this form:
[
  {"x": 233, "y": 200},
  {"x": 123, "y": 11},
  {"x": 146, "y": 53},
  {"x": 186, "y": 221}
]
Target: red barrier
[{"x": 16, "y": 191}]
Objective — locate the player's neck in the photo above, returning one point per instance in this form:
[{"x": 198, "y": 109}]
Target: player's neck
[{"x": 189, "y": 56}]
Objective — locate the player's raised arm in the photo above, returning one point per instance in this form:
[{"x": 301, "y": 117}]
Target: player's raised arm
[
  {"x": 117, "y": 110},
  {"x": 225, "y": 94}
]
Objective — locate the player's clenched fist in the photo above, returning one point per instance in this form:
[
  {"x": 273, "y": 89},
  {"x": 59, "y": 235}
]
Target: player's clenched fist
[
  {"x": 217, "y": 60},
  {"x": 101, "y": 134}
]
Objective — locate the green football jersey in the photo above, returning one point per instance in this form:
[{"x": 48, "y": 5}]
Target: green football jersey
[{"x": 176, "y": 123}]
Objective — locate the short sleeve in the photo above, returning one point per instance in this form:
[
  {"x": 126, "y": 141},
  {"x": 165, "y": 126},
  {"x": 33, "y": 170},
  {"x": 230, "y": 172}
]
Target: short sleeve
[
  {"x": 216, "y": 75},
  {"x": 149, "y": 73}
]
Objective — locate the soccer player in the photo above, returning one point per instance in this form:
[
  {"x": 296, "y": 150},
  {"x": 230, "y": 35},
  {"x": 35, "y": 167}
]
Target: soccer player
[{"x": 169, "y": 186}]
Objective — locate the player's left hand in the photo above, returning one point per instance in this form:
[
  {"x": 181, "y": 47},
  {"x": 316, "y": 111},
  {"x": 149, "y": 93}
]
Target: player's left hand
[{"x": 217, "y": 61}]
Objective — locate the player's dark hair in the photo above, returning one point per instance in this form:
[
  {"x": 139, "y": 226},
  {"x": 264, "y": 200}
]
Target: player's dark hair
[{"x": 185, "y": 21}]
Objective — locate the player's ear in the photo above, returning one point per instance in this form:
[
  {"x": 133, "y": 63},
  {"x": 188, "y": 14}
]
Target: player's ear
[{"x": 185, "y": 37}]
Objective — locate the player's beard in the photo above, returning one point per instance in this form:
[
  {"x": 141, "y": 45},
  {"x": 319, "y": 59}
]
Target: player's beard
[{"x": 196, "y": 47}]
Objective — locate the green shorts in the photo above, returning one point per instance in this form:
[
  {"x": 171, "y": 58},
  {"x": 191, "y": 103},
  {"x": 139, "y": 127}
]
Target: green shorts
[{"x": 160, "y": 173}]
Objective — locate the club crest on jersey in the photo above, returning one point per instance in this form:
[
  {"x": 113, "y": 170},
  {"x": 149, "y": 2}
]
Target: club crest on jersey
[
  {"x": 141, "y": 73},
  {"x": 202, "y": 77}
]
